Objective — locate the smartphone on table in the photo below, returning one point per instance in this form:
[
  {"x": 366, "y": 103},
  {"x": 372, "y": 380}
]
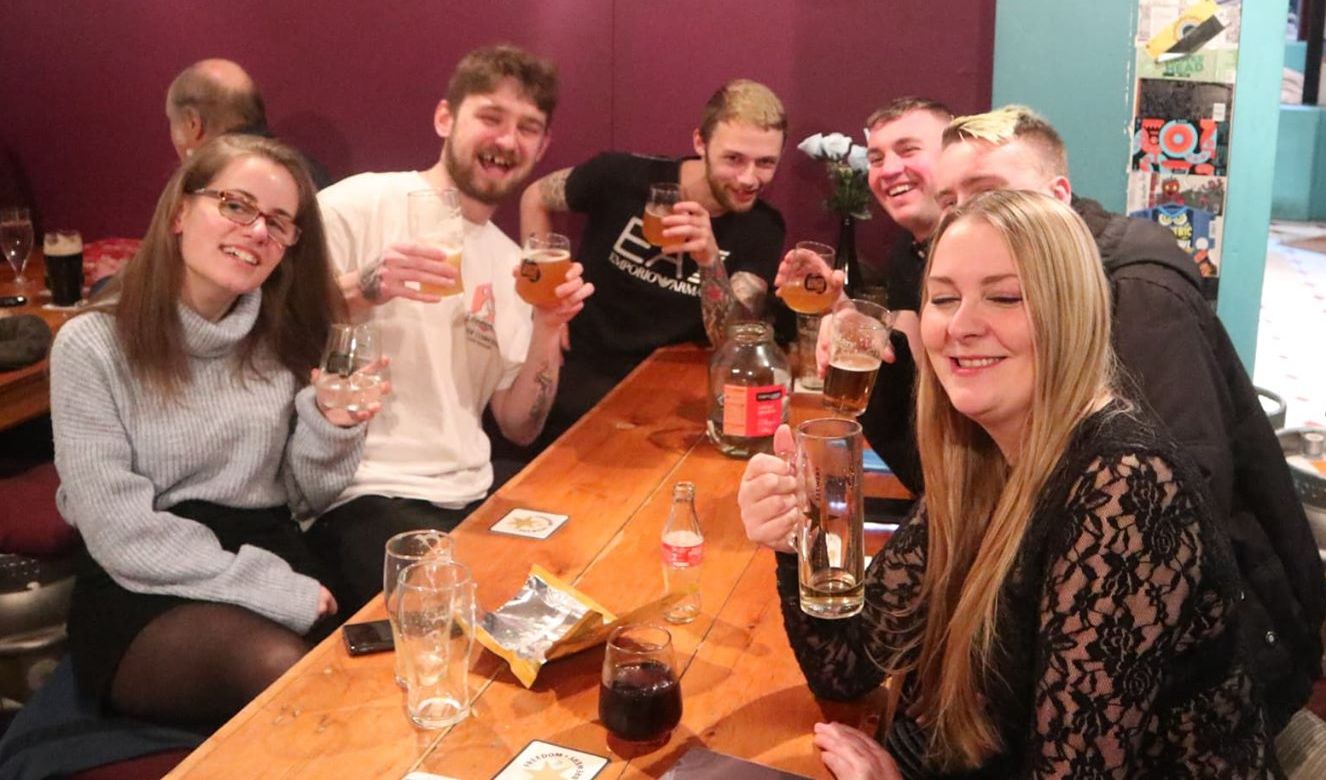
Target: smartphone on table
[{"x": 365, "y": 638}]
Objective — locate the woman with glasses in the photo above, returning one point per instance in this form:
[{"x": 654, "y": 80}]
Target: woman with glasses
[
  {"x": 1061, "y": 603},
  {"x": 188, "y": 439}
]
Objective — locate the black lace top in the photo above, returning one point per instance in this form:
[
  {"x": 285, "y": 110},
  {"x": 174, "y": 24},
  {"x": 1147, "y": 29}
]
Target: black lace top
[{"x": 1115, "y": 655}]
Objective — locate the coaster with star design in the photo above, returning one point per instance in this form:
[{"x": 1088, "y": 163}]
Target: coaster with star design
[{"x": 528, "y": 523}]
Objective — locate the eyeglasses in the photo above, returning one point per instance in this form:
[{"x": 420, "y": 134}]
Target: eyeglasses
[{"x": 239, "y": 208}]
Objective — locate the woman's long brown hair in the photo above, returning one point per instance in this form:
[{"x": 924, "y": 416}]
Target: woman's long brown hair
[{"x": 300, "y": 298}]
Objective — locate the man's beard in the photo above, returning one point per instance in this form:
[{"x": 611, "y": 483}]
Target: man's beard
[
  {"x": 462, "y": 177},
  {"x": 720, "y": 193}
]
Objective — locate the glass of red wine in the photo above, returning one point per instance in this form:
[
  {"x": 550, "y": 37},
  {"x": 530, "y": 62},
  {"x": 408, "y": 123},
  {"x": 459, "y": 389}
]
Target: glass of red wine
[{"x": 639, "y": 694}]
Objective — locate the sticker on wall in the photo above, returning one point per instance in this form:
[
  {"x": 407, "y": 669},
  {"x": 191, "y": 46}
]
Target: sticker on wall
[
  {"x": 1190, "y": 207},
  {"x": 1170, "y": 29},
  {"x": 1182, "y": 127},
  {"x": 1214, "y": 65}
]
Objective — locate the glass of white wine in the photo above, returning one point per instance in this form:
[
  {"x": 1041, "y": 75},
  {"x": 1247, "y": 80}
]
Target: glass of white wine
[
  {"x": 16, "y": 240},
  {"x": 352, "y": 372}
]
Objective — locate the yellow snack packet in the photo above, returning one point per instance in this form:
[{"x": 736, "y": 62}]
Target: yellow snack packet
[{"x": 549, "y": 619}]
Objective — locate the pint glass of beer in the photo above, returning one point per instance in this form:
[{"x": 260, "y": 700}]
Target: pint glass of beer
[
  {"x": 808, "y": 290},
  {"x": 64, "y": 266},
  {"x": 435, "y": 616},
  {"x": 546, "y": 260},
  {"x": 858, "y": 334},
  {"x": 662, "y": 197},
  {"x": 435, "y": 220},
  {"x": 831, "y": 540}
]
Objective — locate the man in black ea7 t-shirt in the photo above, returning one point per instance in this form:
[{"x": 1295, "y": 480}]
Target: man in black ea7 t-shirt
[{"x": 721, "y": 267}]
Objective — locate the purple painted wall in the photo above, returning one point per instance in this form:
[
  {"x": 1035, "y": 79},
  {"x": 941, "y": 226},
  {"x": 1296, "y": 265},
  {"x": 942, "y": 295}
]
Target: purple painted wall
[{"x": 82, "y": 82}]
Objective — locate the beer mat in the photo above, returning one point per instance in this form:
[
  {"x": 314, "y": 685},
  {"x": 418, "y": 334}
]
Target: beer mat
[
  {"x": 420, "y": 775},
  {"x": 528, "y": 523},
  {"x": 547, "y": 761},
  {"x": 700, "y": 762}
]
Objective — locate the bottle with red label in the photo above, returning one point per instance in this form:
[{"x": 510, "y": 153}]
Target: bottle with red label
[
  {"x": 683, "y": 552},
  {"x": 750, "y": 391}
]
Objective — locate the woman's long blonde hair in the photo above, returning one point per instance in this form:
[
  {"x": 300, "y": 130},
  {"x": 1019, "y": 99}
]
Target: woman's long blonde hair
[{"x": 977, "y": 504}]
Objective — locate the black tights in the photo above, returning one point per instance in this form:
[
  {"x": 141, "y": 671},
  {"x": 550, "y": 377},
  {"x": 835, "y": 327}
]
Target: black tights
[{"x": 201, "y": 663}]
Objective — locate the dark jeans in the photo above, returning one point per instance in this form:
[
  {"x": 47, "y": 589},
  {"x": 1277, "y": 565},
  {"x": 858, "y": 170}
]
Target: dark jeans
[{"x": 350, "y": 540}]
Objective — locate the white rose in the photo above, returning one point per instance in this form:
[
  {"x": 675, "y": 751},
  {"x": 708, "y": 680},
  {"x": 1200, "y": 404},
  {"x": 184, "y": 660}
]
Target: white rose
[
  {"x": 813, "y": 146},
  {"x": 856, "y": 159},
  {"x": 836, "y": 145}
]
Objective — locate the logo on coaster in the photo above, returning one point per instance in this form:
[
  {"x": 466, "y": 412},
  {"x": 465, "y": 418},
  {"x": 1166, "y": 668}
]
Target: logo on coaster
[{"x": 546, "y": 761}]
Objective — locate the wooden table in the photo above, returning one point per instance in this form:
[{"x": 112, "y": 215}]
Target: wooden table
[
  {"x": 336, "y": 716},
  {"x": 26, "y": 392}
]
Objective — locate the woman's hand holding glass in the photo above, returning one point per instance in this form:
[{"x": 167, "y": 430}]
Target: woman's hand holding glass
[
  {"x": 353, "y": 378},
  {"x": 767, "y": 496}
]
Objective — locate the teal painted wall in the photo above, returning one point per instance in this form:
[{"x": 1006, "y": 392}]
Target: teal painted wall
[
  {"x": 1251, "y": 171},
  {"x": 1073, "y": 62}
]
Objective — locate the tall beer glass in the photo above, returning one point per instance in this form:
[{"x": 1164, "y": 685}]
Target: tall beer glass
[
  {"x": 64, "y": 266},
  {"x": 662, "y": 197},
  {"x": 808, "y": 290},
  {"x": 858, "y": 334},
  {"x": 831, "y": 539},
  {"x": 401, "y": 551},
  {"x": 435, "y": 220},
  {"x": 435, "y": 614},
  {"x": 546, "y": 260}
]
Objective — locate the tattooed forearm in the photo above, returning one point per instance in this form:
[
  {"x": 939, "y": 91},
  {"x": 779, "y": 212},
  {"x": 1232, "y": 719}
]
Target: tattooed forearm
[
  {"x": 724, "y": 299},
  {"x": 370, "y": 281},
  {"x": 542, "y": 401},
  {"x": 552, "y": 190}
]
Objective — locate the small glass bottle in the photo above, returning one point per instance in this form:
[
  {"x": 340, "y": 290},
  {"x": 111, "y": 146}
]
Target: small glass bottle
[
  {"x": 683, "y": 552},
  {"x": 750, "y": 391}
]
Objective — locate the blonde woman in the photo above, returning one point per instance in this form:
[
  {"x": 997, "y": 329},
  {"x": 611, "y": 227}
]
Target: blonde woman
[{"x": 1061, "y": 602}]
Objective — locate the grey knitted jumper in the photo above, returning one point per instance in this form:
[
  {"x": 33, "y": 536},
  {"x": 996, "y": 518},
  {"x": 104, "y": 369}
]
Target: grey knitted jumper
[{"x": 125, "y": 454}]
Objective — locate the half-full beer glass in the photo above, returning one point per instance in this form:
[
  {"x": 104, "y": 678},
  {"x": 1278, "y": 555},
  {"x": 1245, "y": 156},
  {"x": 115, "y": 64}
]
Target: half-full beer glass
[
  {"x": 858, "y": 334},
  {"x": 402, "y": 550},
  {"x": 434, "y": 219},
  {"x": 662, "y": 197},
  {"x": 435, "y": 612},
  {"x": 808, "y": 291},
  {"x": 831, "y": 538},
  {"x": 543, "y": 267}
]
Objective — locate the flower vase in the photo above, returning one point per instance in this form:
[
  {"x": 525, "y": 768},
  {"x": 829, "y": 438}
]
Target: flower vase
[{"x": 846, "y": 260}]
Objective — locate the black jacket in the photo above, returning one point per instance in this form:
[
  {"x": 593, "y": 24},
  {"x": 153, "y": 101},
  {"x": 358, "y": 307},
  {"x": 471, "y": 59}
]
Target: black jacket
[{"x": 1178, "y": 359}]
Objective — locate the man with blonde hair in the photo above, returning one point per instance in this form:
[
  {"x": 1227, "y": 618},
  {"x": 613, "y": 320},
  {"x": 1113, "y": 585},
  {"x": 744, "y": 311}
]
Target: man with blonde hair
[
  {"x": 721, "y": 252},
  {"x": 1178, "y": 360}
]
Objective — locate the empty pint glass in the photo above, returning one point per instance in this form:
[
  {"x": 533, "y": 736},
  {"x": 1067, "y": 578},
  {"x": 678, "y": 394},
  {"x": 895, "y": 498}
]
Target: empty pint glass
[
  {"x": 435, "y": 614},
  {"x": 546, "y": 259},
  {"x": 401, "y": 551},
  {"x": 435, "y": 220},
  {"x": 831, "y": 538},
  {"x": 858, "y": 334}
]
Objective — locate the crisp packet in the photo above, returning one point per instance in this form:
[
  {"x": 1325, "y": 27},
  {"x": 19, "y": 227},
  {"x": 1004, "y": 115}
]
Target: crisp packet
[{"x": 548, "y": 619}]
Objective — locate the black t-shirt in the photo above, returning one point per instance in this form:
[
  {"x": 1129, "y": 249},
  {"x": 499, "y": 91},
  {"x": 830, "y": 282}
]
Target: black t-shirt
[{"x": 642, "y": 298}]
